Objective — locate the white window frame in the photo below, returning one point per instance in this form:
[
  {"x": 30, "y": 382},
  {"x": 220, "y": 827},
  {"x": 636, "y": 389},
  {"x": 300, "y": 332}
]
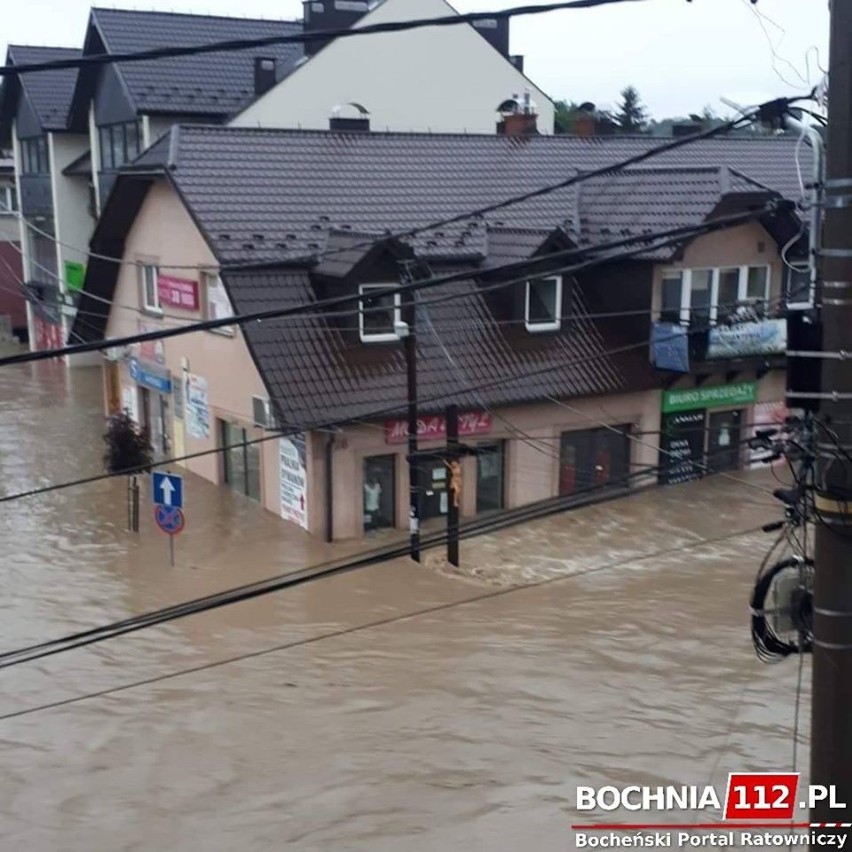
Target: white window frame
[
  {"x": 801, "y": 266},
  {"x": 7, "y": 208},
  {"x": 388, "y": 337},
  {"x": 552, "y": 325},
  {"x": 214, "y": 279},
  {"x": 742, "y": 287},
  {"x": 144, "y": 268}
]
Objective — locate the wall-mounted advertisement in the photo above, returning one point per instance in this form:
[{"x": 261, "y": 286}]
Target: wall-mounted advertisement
[
  {"x": 196, "y": 407},
  {"x": 768, "y": 337},
  {"x": 294, "y": 479}
]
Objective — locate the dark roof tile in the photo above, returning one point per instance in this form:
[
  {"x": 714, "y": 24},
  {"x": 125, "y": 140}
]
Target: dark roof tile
[{"x": 49, "y": 92}]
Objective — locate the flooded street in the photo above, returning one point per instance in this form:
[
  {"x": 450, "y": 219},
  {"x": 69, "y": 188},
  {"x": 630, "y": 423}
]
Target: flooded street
[{"x": 467, "y": 724}]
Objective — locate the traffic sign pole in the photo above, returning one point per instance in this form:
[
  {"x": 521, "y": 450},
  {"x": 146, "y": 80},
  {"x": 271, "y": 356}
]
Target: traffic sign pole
[{"x": 172, "y": 550}]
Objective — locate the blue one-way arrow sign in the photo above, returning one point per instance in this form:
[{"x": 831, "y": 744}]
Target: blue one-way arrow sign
[{"x": 168, "y": 490}]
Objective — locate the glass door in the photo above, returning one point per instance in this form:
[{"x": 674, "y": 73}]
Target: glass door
[
  {"x": 379, "y": 492},
  {"x": 723, "y": 445},
  {"x": 489, "y": 477}
]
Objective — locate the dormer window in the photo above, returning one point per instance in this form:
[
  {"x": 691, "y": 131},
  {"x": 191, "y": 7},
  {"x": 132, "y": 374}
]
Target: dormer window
[
  {"x": 542, "y": 305},
  {"x": 378, "y": 313}
]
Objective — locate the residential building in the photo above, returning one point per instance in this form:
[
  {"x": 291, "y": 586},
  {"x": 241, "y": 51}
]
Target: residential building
[
  {"x": 55, "y": 218},
  {"x": 552, "y": 372},
  {"x": 13, "y": 303},
  {"x": 431, "y": 79}
]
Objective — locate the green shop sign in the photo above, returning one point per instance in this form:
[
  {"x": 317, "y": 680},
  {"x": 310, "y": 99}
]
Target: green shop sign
[
  {"x": 75, "y": 275},
  {"x": 743, "y": 393}
]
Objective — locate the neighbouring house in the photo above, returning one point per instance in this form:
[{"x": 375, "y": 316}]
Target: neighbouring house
[
  {"x": 82, "y": 128},
  {"x": 558, "y": 384},
  {"x": 13, "y": 303},
  {"x": 432, "y": 79},
  {"x": 55, "y": 218}
]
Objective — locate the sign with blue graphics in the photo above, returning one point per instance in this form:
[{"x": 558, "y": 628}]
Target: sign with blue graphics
[
  {"x": 168, "y": 490},
  {"x": 150, "y": 376},
  {"x": 768, "y": 337},
  {"x": 169, "y": 519}
]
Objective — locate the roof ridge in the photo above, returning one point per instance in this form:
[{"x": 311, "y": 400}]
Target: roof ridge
[
  {"x": 44, "y": 47},
  {"x": 162, "y": 12}
]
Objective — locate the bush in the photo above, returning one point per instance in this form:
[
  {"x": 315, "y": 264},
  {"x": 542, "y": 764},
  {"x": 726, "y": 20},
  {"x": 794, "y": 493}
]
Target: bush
[{"x": 128, "y": 447}]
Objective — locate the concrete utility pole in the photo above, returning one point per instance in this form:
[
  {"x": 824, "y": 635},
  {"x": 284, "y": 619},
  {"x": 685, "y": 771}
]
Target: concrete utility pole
[{"x": 831, "y": 732}]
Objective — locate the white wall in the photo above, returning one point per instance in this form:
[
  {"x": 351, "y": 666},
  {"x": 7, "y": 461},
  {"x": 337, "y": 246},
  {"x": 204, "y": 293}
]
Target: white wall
[
  {"x": 74, "y": 225},
  {"x": 446, "y": 79}
]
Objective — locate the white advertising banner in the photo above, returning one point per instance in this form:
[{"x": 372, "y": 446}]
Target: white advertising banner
[
  {"x": 196, "y": 407},
  {"x": 294, "y": 479}
]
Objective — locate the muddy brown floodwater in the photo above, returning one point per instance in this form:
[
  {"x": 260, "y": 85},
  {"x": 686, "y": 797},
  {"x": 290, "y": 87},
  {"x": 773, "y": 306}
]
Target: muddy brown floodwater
[{"x": 467, "y": 727}]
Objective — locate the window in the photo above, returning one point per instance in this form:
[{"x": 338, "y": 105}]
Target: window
[
  {"x": 729, "y": 290},
  {"x": 710, "y": 296},
  {"x": 544, "y": 304},
  {"x": 378, "y": 314},
  {"x": 218, "y": 305},
  {"x": 8, "y": 199},
  {"x": 148, "y": 280},
  {"x": 241, "y": 461},
  {"x": 489, "y": 477},
  {"x": 593, "y": 458},
  {"x": 700, "y": 296},
  {"x": 379, "y": 492},
  {"x": 119, "y": 144},
  {"x": 798, "y": 285},
  {"x": 671, "y": 297},
  {"x": 34, "y": 156}
]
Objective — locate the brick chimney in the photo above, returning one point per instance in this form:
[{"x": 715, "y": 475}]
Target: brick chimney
[
  {"x": 585, "y": 124},
  {"x": 518, "y": 117}
]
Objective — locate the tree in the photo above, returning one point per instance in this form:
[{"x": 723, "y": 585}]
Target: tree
[
  {"x": 631, "y": 115},
  {"x": 128, "y": 451}
]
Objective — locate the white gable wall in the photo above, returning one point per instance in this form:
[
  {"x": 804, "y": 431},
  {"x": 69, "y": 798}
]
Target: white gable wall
[{"x": 440, "y": 79}]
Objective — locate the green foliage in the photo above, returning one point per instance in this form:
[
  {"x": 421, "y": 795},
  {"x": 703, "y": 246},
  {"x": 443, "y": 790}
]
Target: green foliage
[
  {"x": 631, "y": 115},
  {"x": 128, "y": 447}
]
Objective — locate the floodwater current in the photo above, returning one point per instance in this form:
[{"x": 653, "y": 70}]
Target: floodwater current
[{"x": 456, "y": 723}]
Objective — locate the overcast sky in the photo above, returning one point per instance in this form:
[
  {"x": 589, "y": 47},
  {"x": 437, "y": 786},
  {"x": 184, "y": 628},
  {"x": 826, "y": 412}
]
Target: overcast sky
[{"x": 680, "y": 55}]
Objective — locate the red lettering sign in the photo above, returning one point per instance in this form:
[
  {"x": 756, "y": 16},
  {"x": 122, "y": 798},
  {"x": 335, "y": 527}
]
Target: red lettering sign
[
  {"x": 178, "y": 292},
  {"x": 761, "y": 795},
  {"x": 434, "y": 428}
]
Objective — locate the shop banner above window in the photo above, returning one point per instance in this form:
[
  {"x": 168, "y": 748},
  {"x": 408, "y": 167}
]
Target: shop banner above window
[
  {"x": 742, "y": 393},
  {"x": 670, "y": 347},
  {"x": 435, "y": 428},
  {"x": 768, "y": 337},
  {"x": 178, "y": 292}
]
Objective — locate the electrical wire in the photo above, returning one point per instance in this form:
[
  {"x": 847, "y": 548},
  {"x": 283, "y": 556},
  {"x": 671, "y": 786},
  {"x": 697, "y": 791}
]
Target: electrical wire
[
  {"x": 679, "y": 234},
  {"x": 303, "y": 37}
]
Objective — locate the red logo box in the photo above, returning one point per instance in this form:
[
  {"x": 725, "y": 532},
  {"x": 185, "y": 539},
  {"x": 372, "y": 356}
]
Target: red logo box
[{"x": 761, "y": 795}]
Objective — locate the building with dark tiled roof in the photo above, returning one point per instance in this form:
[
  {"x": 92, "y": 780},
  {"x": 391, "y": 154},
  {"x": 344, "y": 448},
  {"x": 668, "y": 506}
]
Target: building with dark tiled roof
[
  {"x": 550, "y": 364},
  {"x": 450, "y": 78},
  {"x": 56, "y": 221}
]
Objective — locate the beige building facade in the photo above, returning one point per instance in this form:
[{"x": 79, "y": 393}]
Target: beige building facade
[{"x": 202, "y": 392}]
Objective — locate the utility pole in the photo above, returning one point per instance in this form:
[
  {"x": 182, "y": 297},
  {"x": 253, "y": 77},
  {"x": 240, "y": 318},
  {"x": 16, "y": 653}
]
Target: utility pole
[
  {"x": 408, "y": 332},
  {"x": 831, "y": 731},
  {"x": 453, "y": 462}
]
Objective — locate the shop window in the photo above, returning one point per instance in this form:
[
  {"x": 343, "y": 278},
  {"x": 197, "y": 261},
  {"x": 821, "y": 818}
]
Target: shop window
[
  {"x": 148, "y": 281},
  {"x": 240, "y": 459},
  {"x": 543, "y": 304},
  {"x": 489, "y": 477},
  {"x": 594, "y": 458},
  {"x": 379, "y": 314},
  {"x": 379, "y": 488}
]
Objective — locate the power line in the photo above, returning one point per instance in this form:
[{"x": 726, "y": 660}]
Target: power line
[
  {"x": 677, "y": 235},
  {"x": 300, "y": 38},
  {"x": 368, "y": 626}
]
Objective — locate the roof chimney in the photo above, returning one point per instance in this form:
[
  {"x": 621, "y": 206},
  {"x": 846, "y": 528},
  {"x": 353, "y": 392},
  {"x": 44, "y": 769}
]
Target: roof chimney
[
  {"x": 518, "y": 117},
  {"x": 330, "y": 15},
  {"x": 264, "y": 74},
  {"x": 496, "y": 32},
  {"x": 358, "y": 121},
  {"x": 686, "y": 129}
]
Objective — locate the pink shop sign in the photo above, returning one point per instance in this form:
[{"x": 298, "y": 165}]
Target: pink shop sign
[
  {"x": 178, "y": 292},
  {"x": 435, "y": 428}
]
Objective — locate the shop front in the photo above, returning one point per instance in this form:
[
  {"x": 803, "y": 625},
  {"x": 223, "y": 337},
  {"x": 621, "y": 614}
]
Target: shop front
[
  {"x": 704, "y": 429},
  {"x": 153, "y": 403},
  {"x": 593, "y": 458}
]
